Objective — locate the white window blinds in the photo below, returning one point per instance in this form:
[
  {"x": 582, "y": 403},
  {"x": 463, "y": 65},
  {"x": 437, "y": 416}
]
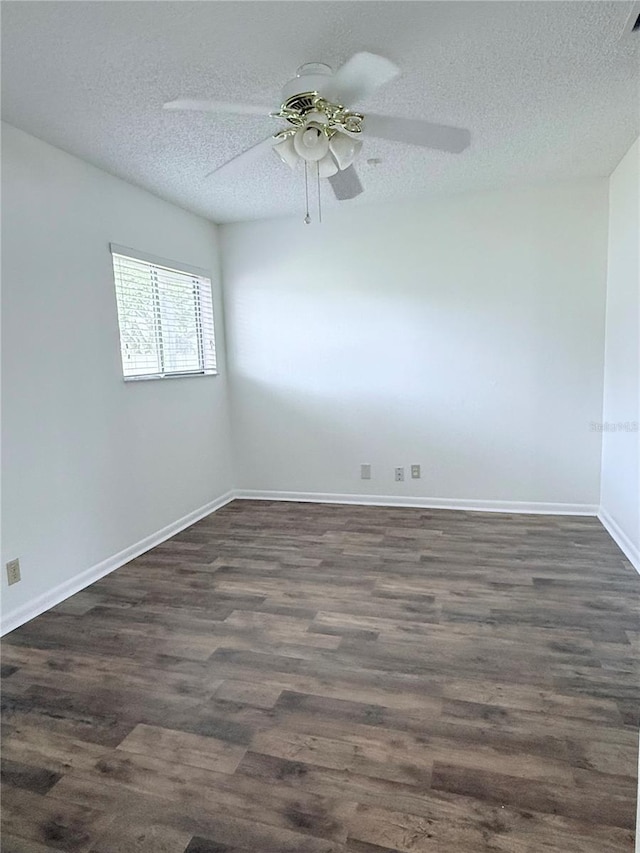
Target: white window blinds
[{"x": 165, "y": 315}]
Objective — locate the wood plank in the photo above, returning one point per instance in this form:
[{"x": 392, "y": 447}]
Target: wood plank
[
  {"x": 51, "y": 822},
  {"x": 15, "y": 844},
  {"x": 184, "y": 748},
  {"x": 248, "y": 693},
  {"x": 454, "y": 828},
  {"x": 134, "y": 833},
  {"x": 613, "y": 809},
  {"x": 36, "y": 779}
]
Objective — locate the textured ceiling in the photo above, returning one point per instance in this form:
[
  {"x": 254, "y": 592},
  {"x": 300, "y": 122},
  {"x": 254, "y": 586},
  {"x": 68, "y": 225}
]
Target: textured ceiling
[{"x": 549, "y": 90}]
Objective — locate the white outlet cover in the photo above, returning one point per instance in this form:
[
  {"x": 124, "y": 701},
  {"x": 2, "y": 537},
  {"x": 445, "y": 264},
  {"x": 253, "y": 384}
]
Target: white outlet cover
[{"x": 13, "y": 571}]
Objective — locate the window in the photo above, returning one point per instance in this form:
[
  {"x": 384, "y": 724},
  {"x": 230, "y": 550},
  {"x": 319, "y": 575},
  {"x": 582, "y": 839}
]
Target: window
[{"x": 165, "y": 313}]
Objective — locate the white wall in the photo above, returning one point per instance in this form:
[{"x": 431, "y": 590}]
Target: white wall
[
  {"x": 465, "y": 335},
  {"x": 91, "y": 465},
  {"x": 620, "y": 448}
]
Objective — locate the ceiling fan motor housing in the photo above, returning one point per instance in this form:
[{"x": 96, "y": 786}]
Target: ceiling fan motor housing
[{"x": 311, "y": 77}]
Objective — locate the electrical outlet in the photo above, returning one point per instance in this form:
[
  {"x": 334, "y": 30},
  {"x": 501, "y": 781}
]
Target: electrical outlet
[
  {"x": 13, "y": 571},
  {"x": 365, "y": 471},
  {"x": 399, "y": 475},
  {"x": 415, "y": 472}
]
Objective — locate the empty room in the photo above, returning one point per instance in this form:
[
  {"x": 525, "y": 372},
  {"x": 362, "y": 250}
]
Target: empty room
[{"x": 320, "y": 445}]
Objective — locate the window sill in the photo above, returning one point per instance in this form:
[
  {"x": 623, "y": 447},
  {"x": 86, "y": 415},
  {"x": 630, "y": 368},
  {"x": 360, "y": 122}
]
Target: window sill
[{"x": 146, "y": 377}]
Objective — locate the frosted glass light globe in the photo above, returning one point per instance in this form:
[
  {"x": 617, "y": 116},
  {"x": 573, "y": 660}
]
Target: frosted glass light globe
[
  {"x": 345, "y": 149},
  {"x": 311, "y": 143}
]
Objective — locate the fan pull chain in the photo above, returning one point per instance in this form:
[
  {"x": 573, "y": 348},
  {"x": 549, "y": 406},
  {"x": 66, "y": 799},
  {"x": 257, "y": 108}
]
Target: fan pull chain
[
  {"x": 307, "y": 218},
  {"x": 319, "y": 196}
]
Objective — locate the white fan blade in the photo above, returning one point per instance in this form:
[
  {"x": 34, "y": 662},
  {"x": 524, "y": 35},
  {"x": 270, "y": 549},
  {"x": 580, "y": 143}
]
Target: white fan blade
[
  {"x": 346, "y": 184},
  {"x": 248, "y": 156},
  {"x": 417, "y": 132},
  {"x": 360, "y": 77},
  {"x": 217, "y": 107}
]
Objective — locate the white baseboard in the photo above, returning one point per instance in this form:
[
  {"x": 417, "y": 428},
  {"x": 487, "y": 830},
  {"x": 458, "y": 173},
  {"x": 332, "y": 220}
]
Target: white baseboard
[
  {"x": 531, "y": 507},
  {"x": 54, "y": 596},
  {"x": 620, "y": 538}
]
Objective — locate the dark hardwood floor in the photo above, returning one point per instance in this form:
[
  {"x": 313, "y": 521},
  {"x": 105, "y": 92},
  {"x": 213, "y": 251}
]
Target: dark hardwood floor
[{"x": 332, "y": 679}]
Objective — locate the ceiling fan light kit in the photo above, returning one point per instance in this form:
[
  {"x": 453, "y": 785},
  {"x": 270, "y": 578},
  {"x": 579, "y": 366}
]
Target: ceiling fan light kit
[
  {"x": 324, "y": 132},
  {"x": 316, "y": 142},
  {"x": 321, "y": 129}
]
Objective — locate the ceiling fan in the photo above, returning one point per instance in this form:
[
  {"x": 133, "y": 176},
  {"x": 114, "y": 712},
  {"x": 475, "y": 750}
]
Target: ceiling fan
[{"x": 321, "y": 130}]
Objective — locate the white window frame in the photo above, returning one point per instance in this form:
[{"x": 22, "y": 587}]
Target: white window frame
[{"x": 185, "y": 269}]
